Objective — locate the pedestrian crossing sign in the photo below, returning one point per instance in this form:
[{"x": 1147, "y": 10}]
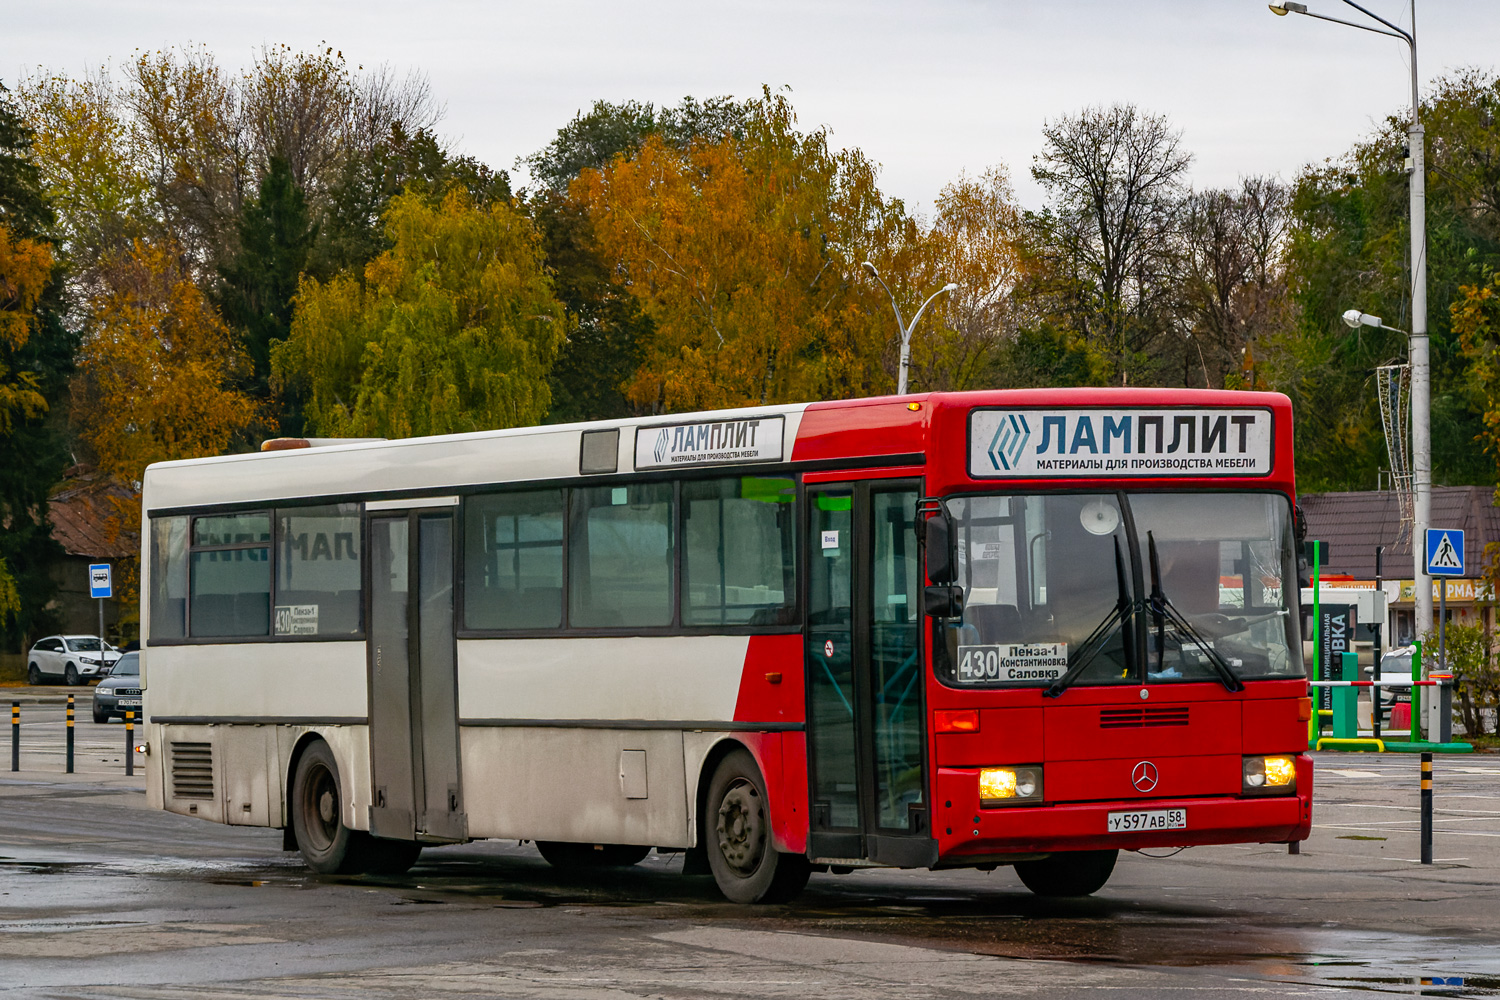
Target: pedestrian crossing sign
[{"x": 1445, "y": 552}]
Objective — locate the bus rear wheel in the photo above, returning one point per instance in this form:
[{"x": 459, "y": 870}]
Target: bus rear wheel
[
  {"x": 327, "y": 845},
  {"x": 741, "y": 854},
  {"x": 565, "y": 856},
  {"x": 1068, "y": 873}
]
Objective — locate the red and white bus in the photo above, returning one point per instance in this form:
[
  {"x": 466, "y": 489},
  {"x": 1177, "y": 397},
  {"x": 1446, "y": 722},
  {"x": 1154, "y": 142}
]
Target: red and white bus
[{"x": 1027, "y": 628}]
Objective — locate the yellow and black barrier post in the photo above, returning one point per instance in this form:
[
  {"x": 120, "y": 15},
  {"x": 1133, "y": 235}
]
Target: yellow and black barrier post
[
  {"x": 1426, "y": 808},
  {"x": 129, "y": 743},
  {"x": 70, "y": 734},
  {"x": 15, "y": 736}
]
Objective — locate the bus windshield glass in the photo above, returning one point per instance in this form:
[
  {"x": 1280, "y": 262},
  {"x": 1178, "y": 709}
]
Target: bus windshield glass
[{"x": 1046, "y": 577}]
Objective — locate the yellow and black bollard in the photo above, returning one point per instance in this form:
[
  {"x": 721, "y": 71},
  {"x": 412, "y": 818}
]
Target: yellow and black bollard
[
  {"x": 70, "y": 734},
  {"x": 1426, "y": 808},
  {"x": 15, "y": 736},
  {"x": 129, "y": 743}
]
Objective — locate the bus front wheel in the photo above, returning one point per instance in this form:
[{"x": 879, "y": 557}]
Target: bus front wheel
[
  {"x": 745, "y": 862},
  {"x": 1068, "y": 873}
]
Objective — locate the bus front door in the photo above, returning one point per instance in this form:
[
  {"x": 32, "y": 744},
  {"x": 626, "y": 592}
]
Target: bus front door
[
  {"x": 865, "y": 715},
  {"x": 413, "y": 680}
]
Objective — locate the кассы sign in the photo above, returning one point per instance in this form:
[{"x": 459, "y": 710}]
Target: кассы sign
[{"x": 1038, "y": 444}]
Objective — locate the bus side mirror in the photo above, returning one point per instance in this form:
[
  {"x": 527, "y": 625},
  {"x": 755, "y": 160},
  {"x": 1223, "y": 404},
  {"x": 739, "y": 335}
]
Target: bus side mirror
[
  {"x": 946, "y": 601},
  {"x": 942, "y": 560}
]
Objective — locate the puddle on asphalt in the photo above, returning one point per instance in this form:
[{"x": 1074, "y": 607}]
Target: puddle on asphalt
[
  {"x": 1425, "y": 986},
  {"x": 1000, "y": 922}
]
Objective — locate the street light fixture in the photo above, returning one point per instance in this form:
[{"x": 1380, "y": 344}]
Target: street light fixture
[
  {"x": 1417, "y": 347},
  {"x": 906, "y": 330},
  {"x": 1354, "y": 319}
]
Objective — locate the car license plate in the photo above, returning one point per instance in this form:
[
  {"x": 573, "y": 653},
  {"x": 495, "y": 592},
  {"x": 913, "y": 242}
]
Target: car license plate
[
  {"x": 129, "y": 703},
  {"x": 1154, "y": 819}
]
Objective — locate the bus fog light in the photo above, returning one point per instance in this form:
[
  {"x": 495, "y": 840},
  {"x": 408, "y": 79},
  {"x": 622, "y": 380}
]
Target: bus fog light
[
  {"x": 1269, "y": 775},
  {"x": 1004, "y": 786}
]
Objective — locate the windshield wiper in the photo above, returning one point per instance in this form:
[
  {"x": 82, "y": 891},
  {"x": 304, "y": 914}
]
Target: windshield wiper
[
  {"x": 1119, "y": 617},
  {"x": 1164, "y": 612}
]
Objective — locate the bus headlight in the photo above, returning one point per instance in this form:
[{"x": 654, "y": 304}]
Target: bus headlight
[
  {"x": 1269, "y": 776},
  {"x": 1010, "y": 786}
]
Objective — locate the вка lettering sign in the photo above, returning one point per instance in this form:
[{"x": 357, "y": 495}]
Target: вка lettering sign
[
  {"x": 1038, "y": 444},
  {"x": 709, "y": 442}
]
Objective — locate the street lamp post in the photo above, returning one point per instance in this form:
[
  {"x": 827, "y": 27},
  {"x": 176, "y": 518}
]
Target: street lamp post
[
  {"x": 906, "y": 331},
  {"x": 1421, "y": 382}
]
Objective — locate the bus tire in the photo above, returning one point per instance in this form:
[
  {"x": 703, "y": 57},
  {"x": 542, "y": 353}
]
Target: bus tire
[
  {"x": 382, "y": 856},
  {"x": 568, "y": 856},
  {"x": 737, "y": 833},
  {"x": 326, "y": 844},
  {"x": 1068, "y": 873}
]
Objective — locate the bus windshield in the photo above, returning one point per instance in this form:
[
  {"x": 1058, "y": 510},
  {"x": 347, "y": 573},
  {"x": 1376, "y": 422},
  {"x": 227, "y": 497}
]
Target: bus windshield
[{"x": 1041, "y": 576}]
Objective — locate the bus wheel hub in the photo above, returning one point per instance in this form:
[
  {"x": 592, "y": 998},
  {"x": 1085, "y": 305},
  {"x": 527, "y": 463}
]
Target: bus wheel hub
[{"x": 741, "y": 828}]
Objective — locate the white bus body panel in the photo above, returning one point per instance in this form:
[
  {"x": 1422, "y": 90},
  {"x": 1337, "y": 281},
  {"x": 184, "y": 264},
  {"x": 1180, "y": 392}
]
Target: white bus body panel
[
  {"x": 259, "y": 680},
  {"x": 671, "y": 679},
  {"x": 593, "y": 784},
  {"x": 259, "y": 683},
  {"x": 576, "y": 785}
]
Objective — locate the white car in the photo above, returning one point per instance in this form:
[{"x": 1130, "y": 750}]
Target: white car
[{"x": 74, "y": 658}]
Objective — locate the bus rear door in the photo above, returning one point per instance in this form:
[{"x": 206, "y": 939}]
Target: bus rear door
[{"x": 413, "y": 680}]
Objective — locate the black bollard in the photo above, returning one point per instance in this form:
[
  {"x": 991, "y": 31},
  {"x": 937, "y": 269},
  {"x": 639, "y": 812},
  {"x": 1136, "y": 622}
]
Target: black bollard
[
  {"x": 129, "y": 743},
  {"x": 70, "y": 734},
  {"x": 1427, "y": 808},
  {"x": 15, "y": 736}
]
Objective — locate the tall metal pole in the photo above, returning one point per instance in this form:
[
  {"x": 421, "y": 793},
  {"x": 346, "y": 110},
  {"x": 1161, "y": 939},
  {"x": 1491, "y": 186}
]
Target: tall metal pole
[{"x": 1421, "y": 376}]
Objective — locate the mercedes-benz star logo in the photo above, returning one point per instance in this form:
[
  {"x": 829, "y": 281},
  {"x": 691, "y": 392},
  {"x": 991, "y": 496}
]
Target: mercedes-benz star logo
[{"x": 1144, "y": 777}]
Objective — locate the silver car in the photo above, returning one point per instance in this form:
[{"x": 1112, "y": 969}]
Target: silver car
[
  {"x": 119, "y": 691},
  {"x": 70, "y": 658}
]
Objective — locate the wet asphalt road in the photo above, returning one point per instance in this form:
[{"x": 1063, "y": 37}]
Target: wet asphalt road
[{"x": 102, "y": 898}]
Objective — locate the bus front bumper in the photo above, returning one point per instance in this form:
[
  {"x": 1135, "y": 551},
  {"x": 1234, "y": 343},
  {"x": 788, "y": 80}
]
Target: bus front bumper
[{"x": 968, "y": 833}]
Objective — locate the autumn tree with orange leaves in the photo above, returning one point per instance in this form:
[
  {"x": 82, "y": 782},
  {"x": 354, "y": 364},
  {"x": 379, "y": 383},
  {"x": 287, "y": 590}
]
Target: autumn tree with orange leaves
[
  {"x": 743, "y": 253},
  {"x": 158, "y": 371}
]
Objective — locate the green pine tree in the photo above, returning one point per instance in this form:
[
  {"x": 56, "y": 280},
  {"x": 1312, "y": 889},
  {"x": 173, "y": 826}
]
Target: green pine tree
[{"x": 276, "y": 239}]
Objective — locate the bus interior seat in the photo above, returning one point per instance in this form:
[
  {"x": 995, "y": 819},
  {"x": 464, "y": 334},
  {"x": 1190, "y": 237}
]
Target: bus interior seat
[
  {"x": 1190, "y": 575},
  {"x": 995, "y": 622},
  {"x": 232, "y": 614}
]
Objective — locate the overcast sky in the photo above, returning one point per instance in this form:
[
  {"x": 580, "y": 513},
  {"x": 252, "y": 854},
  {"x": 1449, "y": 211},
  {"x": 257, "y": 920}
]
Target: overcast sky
[{"x": 928, "y": 90}]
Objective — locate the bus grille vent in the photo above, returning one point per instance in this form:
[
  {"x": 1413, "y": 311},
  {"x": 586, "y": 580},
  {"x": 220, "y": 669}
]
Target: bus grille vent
[
  {"x": 1142, "y": 718},
  {"x": 192, "y": 770}
]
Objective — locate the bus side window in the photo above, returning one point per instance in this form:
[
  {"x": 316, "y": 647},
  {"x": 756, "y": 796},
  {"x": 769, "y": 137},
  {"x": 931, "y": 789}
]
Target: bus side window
[
  {"x": 513, "y": 560},
  {"x": 229, "y": 576},
  {"x": 738, "y": 565},
  {"x": 620, "y": 556},
  {"x": 169, "y": 577},
  {"x": 318, "y": 586}
]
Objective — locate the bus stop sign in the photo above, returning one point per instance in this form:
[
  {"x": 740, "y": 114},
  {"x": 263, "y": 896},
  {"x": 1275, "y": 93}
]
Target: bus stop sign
[
  {"x": 1445, "y": 552},
  {"x": 100, "y": 584}
]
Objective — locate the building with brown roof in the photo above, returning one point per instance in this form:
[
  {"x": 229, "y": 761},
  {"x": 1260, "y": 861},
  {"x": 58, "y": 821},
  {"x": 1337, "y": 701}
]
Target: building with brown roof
[
  {"x": 87, "y": 512},
  {"x": 1354, "y": 524}
]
